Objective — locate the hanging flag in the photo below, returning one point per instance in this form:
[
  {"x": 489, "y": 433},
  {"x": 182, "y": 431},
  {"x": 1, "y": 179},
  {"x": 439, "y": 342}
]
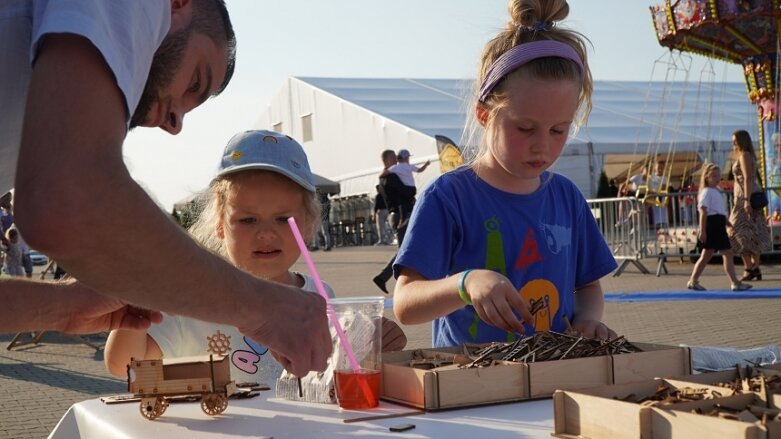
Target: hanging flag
[{"x": 449, "y": 154}]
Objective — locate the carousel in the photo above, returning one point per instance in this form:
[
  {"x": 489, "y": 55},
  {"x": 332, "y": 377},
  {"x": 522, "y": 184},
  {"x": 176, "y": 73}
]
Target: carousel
[{"x": 744, "y": 32}]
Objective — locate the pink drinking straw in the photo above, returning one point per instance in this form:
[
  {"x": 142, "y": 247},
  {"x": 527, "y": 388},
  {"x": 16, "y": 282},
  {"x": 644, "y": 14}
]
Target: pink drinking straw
[{"x": 320, "y": 289}]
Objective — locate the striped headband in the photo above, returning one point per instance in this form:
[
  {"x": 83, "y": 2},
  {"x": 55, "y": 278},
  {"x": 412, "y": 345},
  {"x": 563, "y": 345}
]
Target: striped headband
[{"x": 522, "y": 54}]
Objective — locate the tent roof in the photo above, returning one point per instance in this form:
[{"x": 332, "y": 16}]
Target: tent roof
[
  {"x": 326, "y": 186},
  {"x": 625, "y": 113}
]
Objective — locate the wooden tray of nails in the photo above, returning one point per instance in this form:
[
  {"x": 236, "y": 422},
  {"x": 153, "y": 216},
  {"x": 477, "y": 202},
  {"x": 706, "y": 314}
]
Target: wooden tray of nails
[{"x": 532, "y": 367}]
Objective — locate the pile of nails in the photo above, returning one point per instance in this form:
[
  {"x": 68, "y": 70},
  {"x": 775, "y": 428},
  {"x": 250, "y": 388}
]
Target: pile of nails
[{"x": 547, "y": 346}]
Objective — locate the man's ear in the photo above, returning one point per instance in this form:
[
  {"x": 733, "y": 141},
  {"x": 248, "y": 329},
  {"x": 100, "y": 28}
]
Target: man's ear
[
  {"x": 181, "y": 14},
  {"x": 481, "y": 111}
]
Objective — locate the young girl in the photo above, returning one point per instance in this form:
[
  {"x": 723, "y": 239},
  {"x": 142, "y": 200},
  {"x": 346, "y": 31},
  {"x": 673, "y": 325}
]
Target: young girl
[
  {"x": 490, "y": 240},
  {"x": 263, "y": 179},
  {"x": 713, "y": 229}
]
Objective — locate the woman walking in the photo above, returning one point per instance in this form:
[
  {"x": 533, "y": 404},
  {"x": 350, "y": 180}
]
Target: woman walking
[{"x": 749, "y": 235}]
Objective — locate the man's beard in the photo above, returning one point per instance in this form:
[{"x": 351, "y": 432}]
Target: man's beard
[{"x": 165, "y": 64}]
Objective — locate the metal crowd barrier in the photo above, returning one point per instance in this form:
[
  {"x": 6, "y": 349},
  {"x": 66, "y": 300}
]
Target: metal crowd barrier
[
  {"x": 660, "y": 226},
  {"x": 350, "y": 223}
]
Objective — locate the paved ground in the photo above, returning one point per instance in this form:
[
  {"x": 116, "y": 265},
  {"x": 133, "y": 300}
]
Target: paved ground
[{"x": 39, "y": 382}]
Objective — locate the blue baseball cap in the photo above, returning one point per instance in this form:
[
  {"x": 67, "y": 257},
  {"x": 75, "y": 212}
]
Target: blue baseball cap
[{"x": 270, "y": 151}]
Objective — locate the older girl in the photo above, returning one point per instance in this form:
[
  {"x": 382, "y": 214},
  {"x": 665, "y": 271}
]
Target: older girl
[{"x": 498, "y": 236}]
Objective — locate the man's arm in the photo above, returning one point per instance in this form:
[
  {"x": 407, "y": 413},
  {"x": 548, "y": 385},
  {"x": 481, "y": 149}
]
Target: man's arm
[
  {"x": 78, "y": 204},
  {"x": 66, "y": 306}
]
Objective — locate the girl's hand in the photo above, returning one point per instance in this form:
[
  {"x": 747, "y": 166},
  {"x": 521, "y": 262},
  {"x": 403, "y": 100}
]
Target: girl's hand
[
  {"x": 593, "y": 329},
  {"x": 747, "y": 207},
  {"x": 702, "y": 236},
  {"x": 495, "y": 298}
]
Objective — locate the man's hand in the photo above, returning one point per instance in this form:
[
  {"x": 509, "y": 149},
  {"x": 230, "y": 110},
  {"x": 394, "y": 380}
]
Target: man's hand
[
  {"x": 88, "y": 312},
  {"x": 293, "y": 324}
]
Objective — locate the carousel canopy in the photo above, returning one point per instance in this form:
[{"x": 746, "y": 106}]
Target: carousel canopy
[{"x": 732, "y": 30}]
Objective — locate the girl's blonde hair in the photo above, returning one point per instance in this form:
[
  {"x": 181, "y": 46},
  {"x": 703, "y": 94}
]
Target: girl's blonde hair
[
  {"x": 214, "y": 200},
  {"x": 526, "y": 16},
  {"x": 707, "y": 168}
]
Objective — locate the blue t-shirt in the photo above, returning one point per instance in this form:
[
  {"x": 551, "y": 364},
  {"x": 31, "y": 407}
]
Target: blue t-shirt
[{"x": 546, "y": 243}]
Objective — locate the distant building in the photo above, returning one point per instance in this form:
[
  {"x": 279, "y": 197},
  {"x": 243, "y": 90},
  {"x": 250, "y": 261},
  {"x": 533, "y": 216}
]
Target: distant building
[{"x": 344, "y": 124}]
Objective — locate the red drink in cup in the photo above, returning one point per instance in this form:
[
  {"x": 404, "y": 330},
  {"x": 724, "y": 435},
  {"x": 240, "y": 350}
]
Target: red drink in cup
[
  {"x": 358, "y": 383},
  {"x": 357, "y": 390}
]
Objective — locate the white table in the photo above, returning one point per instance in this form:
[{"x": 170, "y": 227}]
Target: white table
[{"x": 266, "y": 416}]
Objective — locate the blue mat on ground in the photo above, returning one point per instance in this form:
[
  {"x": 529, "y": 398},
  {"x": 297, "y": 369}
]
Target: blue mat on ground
[{"x": 660, "y": 296}]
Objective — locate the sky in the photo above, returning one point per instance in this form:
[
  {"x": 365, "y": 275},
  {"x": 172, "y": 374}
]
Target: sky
[{"x": 376, "y": 39}]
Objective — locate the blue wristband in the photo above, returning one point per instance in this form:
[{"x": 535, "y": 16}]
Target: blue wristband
[{"x": 461, "y": 290}]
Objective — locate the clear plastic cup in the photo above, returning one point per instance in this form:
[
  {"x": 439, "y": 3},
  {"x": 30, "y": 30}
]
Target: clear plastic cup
[{"x": 361, "y": 319}]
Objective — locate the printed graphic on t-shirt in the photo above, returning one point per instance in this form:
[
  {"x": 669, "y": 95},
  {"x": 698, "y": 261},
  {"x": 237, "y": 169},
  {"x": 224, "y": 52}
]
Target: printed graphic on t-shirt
[
  {"x": 555, "y": 239},
  {"x": 245, "y": 360}
]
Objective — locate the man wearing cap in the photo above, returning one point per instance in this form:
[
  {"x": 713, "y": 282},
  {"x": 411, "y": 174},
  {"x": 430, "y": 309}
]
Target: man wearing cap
[
  {"x": 404, "y": 169},
  {"x": 75, "y": 76},
  {"x": 398, "y": 186}
]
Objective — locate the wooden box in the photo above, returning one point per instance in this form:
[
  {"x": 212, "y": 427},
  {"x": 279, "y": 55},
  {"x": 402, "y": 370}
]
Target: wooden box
[
  {"x": 596, "y": 413},
  {"x": 450, "y": 387},
  {"x": 654, "y": 361}
]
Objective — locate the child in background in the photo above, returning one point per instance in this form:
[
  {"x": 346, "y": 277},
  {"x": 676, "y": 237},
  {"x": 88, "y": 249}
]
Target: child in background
[
  {"x": 263, "y": 179},
  {"x": 404, "y": 169},
  {"x": 491, "y": 239},
  {"x": 713, "y": 229},
  {"x": 12, "y": 247}
]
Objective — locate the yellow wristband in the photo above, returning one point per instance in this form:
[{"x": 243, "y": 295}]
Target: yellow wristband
[{"x": 462, "y": 290}]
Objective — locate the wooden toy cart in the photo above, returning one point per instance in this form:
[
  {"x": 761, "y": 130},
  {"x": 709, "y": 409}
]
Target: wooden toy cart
[{"x": 155, "y": 381}]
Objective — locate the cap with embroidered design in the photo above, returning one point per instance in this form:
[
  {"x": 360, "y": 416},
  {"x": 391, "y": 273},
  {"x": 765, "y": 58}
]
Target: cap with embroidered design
[{"x": 270, "y": 151}]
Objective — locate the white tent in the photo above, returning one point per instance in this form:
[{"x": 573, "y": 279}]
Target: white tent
[{"x": 345, "y": 123}]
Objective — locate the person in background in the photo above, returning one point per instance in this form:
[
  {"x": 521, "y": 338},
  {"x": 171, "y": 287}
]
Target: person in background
[
  {"x": 124, "y": 64},
  {"x": 12, "y": 264},
  {"x": 27, "y": 262},
  {"x": 749, "y": 235},
  {"x": 713, "y": 230},
  {"x": 404, "y": 169},
  {"x": 636, "y": 181},
  {"x": 492, "y": 240},
  {"x": 6, "y": 217},
  {"x": 657, "y": 183},
  {"x": 401, "y": 199},
  {"x": 325, "y": 224},
  {"x": 380, "y": 219},
  {"x": 612, "y": 188}
]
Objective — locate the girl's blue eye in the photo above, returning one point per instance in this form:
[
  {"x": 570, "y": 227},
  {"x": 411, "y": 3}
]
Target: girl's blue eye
[
  {"x": 249, "y": 220},
  {"x": 282, "y": 219}
]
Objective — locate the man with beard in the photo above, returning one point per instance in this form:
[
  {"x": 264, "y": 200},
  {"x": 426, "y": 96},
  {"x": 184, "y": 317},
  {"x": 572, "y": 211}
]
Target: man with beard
[{"x": 74, "y": 77}]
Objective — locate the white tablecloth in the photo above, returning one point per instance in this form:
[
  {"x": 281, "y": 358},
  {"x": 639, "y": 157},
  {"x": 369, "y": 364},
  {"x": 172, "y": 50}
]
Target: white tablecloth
[{"x": 265, "y": 416}]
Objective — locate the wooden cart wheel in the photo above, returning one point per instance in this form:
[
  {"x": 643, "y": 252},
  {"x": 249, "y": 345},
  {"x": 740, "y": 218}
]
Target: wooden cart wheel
[
  {"x": 222, "y": 403},
  {"x": 214, "y": 403},
  {"x": 152, "y": 409},
  {"x": 163, "y": 404}
]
